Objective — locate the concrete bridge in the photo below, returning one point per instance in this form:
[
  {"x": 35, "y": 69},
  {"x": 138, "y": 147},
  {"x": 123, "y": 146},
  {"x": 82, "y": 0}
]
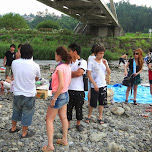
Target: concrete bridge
[{"x": 95, "y": 17}]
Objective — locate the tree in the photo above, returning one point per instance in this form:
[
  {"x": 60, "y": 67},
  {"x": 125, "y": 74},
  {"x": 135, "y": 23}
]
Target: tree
[
  {"x": 12, "y": 21},
  {"x": 48, "y": 24}
]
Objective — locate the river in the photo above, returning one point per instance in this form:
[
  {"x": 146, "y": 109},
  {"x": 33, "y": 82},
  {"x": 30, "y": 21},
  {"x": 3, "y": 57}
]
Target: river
[{"x": 117, "y": 74}]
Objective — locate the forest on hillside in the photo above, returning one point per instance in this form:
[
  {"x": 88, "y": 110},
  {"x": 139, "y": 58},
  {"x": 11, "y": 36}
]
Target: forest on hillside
[{"x": 132, "y": 18}]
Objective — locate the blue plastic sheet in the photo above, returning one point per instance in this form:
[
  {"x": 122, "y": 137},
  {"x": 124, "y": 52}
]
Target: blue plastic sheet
[{"x": 143, "y": 94}]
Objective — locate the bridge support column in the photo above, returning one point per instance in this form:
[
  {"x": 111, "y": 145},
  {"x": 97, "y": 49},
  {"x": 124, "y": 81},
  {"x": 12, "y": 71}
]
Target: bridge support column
[
  {"x": 104, "y": 31},
  {"x": 97, "y": 31}
]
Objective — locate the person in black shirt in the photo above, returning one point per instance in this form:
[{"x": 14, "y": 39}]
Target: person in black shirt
[{"x": 8, "y": 58}]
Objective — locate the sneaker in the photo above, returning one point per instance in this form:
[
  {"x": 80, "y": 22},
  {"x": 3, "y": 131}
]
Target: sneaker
[{"x": 79, "y": 128}]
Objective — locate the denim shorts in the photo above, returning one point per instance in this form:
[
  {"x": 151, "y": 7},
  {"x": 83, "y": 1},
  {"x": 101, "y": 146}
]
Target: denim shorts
[
  {"x": 62, "y": 100},
  {"x": 23, "y": 109}
]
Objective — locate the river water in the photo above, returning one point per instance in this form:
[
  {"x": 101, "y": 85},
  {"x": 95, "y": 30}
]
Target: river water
[{"x": 117, "y": 74}]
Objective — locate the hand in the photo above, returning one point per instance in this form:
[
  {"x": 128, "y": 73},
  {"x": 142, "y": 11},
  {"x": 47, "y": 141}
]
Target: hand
[
  {"x": 4, "y": 65},
  {"x": 52, "y": 103},
  {"x": 135, "y": 74},
  {"x": 104, "y": 61},
  {"x": 96, "y": 88},
  {"x": 125, "y": 73}
]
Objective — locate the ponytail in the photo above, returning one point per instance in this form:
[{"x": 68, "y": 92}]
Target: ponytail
[{"x": 63, "y": 52}]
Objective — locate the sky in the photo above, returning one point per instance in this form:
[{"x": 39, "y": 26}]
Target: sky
[{"x": 32, "y": 6}]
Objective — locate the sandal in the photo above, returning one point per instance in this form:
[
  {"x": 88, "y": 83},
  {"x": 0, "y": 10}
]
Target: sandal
[
  {"x": 47, "y": 149},
  {"x": 29, "y": 134},
  {"x": 17, "y": 129},
  {"x": 59, "y": 141},
  {"x": 135, "y": 102},
  {"x": 126, "y": 101},
  {"x": 88, "y": 120},
  {"x": 100, "y": 121}
]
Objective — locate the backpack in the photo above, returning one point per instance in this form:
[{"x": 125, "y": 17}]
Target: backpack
[{"x": 85, "y": 78}]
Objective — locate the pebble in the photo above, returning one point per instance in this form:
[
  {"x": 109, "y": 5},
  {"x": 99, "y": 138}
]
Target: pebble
[{"x": 128, "y": 132}]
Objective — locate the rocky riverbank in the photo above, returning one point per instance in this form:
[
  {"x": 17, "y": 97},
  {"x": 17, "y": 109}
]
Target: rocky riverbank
[{"x": 125, "y": 129}]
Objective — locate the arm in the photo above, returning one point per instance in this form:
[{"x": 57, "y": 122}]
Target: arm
[
  {"x": 107, "y": 67},
  {"x": 4, "y": 61},
  {"x": 92, "y": 81},
  {"x": 77, "y": 73},
  {"x": 59, "y": 89},
  {"x": 38, "y": 73},
  {"x": 149, "y": 66},
  {"x": 125, "y": 70}
]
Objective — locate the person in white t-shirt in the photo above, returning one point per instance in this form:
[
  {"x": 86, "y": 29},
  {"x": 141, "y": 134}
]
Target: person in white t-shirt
[
  {"x": 25, "y": 72},
  {"x": 76, "y": 88},
  {"x": 90, "y": 59},
  {"x": 96, "y": 72}
]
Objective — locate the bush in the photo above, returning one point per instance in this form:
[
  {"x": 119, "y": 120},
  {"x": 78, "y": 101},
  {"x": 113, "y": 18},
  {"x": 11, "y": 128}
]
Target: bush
[
  {"x": 47, "y": 24},
  {"x": 3, "y": 48}
]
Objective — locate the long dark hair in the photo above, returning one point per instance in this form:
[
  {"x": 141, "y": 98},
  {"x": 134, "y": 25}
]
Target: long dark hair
[{"x": 63, "y": 52}]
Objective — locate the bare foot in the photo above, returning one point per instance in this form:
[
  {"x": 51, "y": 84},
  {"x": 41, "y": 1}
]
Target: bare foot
[{"x": 61, "y": 142}]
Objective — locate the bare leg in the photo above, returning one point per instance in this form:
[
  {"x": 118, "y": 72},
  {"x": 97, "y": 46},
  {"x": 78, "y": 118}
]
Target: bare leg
[
  {"x": 13, "y": 125},
  {"x": 127, "y": 93},
  {"x": 90, "y": 111},
  {"x": 89, "y": 95},
  {"x": 68, "y": 124},
  {"x": 2, "y": 87},
  {"x": 100, "y": 108},
  {"x": 63, "y": 116},
  {"x": 78, "y": 122},
  {"x": 151, "y": 89},
  {"x": 24, "y": 131},
  {"x": 135, "y": 91},
  {"x": 50, "y": 116}
]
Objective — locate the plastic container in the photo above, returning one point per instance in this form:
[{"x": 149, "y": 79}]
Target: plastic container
[{"x": 145, "y": 114}]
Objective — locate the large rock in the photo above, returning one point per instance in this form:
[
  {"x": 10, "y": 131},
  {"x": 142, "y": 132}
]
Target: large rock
[
  {"x": 118, "y": 110},
  {"x": 95, "y": 137},
  {"x": 113, "y": 147}
]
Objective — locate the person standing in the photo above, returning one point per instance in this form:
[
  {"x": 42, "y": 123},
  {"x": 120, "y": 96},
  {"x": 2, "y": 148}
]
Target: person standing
[
  {"x": 8, "y": 58},
  {"x": 135, "y": 68},
  {"x": 124, "y": 56},
  {"x": 149, "y": 64},
  {"x": 26, "y": 72},
  {"x": 90, "y": 59},
  {"x": 76, "y": 88},
  {"x": 96, "y": 72},
  {"x": 61, "y": 79},
  {"x": 18, "y": 54}
]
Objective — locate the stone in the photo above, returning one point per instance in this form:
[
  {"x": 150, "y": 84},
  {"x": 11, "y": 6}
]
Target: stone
[
  {"x": 95, "y": 137},
  {"x": 117, "y": 111},
  {"x": 113, "y": 147},
  {"x": 85, "y": 149}
]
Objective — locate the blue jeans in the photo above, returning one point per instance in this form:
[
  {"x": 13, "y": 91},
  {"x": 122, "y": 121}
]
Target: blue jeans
[
  {"x": 61, "y": 100},
  {"x": 23, "y": 109}
]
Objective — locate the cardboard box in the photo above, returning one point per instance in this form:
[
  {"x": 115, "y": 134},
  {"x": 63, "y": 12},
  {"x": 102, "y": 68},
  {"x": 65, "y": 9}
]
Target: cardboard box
[{"x": 42, "y": 94}]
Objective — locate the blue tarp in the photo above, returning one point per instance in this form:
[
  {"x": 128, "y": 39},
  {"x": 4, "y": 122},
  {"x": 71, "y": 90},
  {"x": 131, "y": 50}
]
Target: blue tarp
[{"x": 143, "y": 94}]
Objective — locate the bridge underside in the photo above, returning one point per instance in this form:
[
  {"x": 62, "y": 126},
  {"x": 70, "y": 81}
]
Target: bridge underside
[{"x": 94, "y": 16}]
